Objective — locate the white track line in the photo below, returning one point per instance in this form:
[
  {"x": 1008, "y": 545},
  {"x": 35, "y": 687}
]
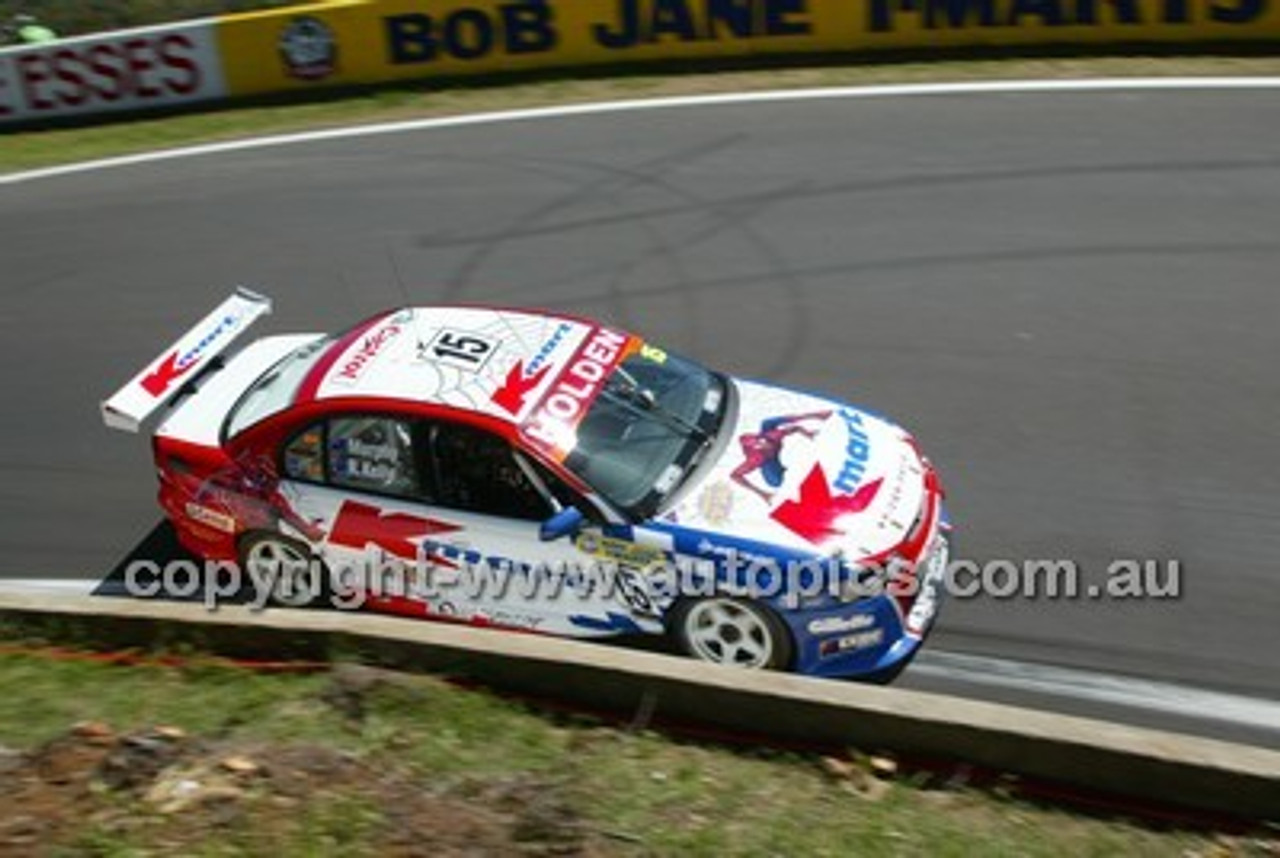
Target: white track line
[
  {"x": 1124, "y": 691},
  {"x": 568, "y": 110}
]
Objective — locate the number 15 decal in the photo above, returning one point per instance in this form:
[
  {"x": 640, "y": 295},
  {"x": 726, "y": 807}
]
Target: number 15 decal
[{"x": 464, "y": 351}]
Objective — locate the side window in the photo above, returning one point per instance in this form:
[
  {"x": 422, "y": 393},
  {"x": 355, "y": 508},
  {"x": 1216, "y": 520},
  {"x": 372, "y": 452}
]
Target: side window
[
  {"x": 374, "y": 454},
  {"x": 476, "y": 471},
  {"x": 304, "y": 455},
  {"x": 561, "y": 492}
]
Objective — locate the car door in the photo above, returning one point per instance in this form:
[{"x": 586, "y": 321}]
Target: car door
[{"x": 440, "y": 518}]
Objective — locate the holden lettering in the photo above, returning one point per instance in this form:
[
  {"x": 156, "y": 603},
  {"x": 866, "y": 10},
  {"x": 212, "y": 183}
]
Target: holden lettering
[{"x": 577, "y": 385}]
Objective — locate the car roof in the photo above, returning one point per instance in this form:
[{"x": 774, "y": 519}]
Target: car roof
[{"x": 494, "y": 361}]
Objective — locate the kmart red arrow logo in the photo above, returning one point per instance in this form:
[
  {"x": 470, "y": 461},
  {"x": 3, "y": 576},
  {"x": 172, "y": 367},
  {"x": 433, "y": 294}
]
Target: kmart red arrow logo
[
  {"x": 813, "y": 514},
  {"x": 168, "y": 370},
  {"x": 511, "y": 396},
  {"x": 359, "y": 525},
  {"x": 158, "y": 380}
]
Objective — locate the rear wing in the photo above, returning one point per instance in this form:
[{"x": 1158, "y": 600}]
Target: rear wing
[{"x": 166, "y": 375}]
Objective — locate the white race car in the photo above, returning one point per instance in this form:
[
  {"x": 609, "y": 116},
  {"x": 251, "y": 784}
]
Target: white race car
[{"x": 537, "y": 471}]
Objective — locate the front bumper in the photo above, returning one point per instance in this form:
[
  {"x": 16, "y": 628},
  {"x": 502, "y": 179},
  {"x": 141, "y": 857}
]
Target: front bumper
[{"x": 875, "y": 637}]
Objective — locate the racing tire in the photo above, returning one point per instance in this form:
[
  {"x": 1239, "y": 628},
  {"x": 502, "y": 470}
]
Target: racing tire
[
  {"x": 295, "y": 576},
  {"x": 730, "y": 631}
]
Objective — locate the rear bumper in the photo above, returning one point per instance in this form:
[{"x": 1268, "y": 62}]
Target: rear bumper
[{"x": 208, "y": 541}]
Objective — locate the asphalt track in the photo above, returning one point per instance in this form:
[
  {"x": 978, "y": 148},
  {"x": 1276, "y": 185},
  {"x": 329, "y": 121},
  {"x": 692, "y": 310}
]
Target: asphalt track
[{"x": 1070, "y": 297}]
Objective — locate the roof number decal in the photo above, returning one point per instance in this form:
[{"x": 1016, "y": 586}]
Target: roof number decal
[{"x": 467, "y": 351}]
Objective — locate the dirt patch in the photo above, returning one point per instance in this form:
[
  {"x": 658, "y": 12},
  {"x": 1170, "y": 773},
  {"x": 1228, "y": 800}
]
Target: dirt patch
[{"x": 160, "y": 788}]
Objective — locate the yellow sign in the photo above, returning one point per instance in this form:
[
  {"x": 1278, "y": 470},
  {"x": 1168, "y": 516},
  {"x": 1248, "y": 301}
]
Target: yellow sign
[{"x": 356, "y": 42}]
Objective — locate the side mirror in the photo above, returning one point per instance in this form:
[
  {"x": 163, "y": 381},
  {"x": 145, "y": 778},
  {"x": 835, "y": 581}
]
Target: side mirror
[{"x": 567, "y": 522}]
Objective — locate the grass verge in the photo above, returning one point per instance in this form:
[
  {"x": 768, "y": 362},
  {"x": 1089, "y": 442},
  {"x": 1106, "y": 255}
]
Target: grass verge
[
  {"x": 204, "y": 759},
  {"x": 30, "y": 149}
]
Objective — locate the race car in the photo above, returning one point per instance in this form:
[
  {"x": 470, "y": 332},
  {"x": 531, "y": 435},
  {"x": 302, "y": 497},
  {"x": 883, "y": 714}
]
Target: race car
[{"x": 542, "y": 472}]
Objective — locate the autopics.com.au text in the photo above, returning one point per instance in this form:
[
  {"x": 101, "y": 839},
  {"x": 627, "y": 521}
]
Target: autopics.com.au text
[{"x": 377, "y": 576}]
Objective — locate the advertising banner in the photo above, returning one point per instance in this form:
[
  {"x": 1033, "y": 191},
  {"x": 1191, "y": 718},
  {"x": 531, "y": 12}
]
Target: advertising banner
[
  {"x": 355, "y": 42},
  {"x": 125, "y": 70},
  {"x": 363, "y": 42}
]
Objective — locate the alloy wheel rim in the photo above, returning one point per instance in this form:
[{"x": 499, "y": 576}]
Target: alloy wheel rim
[
  {"x": 726, "y": 632},
  {"x": 287, "y": 571}
]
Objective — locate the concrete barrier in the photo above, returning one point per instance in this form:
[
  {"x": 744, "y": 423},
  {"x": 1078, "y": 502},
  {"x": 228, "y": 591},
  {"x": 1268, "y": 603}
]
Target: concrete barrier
[{"x": 1183, "y": 771}]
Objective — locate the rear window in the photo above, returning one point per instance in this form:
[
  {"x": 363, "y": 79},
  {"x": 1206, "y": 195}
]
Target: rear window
[{"x": 276, "y": 388}]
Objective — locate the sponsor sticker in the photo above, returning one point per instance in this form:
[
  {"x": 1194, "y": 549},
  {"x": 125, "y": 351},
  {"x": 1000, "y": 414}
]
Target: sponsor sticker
[
  {"x": 861, "y": 640},
  {"x": 621, "y": 550},
  {"x": 522, "y": 379},
  {"x": 158, "y": 381},
  {"x": 128, "y": 70},
  {"x": 834, "y": 625},
  {"x": 370, "y": 347},
  {"x": 556, "y": 418},
  {"x": 926, "y": 605},
  {"x": 715, "y": 504},
  {"x": 211, "y": 518}
]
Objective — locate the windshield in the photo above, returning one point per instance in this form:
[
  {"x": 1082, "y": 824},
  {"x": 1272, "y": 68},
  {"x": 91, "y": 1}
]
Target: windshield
[
  {"x": 275, "y": 389},
  {"x": 645, "y": 431}
]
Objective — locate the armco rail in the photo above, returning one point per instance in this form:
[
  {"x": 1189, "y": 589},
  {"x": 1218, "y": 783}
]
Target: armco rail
[{"x": 1180, "y": 770}]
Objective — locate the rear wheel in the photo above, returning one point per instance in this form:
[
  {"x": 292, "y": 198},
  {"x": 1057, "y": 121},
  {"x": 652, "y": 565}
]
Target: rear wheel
[
  {"x": 292, "y": 574},
  {"x": 734, "y": 632}
]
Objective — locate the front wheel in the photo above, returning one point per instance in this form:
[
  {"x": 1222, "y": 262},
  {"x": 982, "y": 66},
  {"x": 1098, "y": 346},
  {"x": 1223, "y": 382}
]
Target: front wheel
[
  {"x": 288, "y": 570},
  {"x": 735, "y": 632}
]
